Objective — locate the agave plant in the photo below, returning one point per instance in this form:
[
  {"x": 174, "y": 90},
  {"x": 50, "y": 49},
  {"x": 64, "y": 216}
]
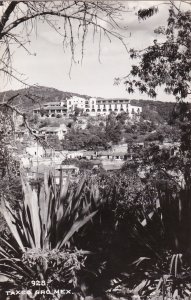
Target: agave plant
[{"x": 43, "y": 230}]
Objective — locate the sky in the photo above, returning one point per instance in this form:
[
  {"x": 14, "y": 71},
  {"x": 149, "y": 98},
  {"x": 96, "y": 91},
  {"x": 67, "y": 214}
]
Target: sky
[{"x": 50, "y": 65}]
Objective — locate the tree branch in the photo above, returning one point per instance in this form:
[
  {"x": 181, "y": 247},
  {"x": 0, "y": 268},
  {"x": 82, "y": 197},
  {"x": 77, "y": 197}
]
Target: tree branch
[{"x": 7, "y": 14}]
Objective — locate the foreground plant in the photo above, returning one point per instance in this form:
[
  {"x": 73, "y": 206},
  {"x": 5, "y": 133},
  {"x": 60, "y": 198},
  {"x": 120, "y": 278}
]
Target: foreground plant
[
  {"x": 163, "y": 267},
  {"x": 42, "y": 244}
]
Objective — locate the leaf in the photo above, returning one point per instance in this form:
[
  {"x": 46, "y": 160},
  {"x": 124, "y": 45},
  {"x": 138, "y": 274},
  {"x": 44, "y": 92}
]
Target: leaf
[
  {"x": 9, "y": 245},
  {"x": 159, "y": 284},
  {"x": 7, "y": 277},
  {"x": 140, "y": 260},
  {"x": 140, "y": 286},
  {"x": 3, "y": 253},
  {"x": 33, "y": 212},
  {"x": 16, "y": 268},
  {"x": 63, "y": 188},
  {"x": 171, "y": 263},
  {"x": 75, "y": 227},
  {"x": 12, "y": 226}
]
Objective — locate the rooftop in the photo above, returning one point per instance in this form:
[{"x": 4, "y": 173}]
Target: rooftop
[
  {"x": 67, "y": 167},
  {"x": 113, "y": 99},
  {"x": 54, "y": 107},
  {"x": 53, "y": 103},
  {"x": 111, "y": 167},
  {"x": 53, "y": 128},
  {"x": 85, "y": 153},
  {"x": 119, "y": 153},
  {"x": 115, "y": 153},
  {"x": 49, "y": 129}
]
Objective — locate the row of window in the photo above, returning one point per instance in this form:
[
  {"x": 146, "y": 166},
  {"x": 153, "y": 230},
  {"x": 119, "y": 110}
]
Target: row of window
[
  {"x": 55, "y": 104},
  {"x": 51, "y": 110},
  {"x": 110, "y": 105},
  {"x": 93, "y": 110},
  {"x": 112, "y": 101},
  {"x": 110, "y": 109}
]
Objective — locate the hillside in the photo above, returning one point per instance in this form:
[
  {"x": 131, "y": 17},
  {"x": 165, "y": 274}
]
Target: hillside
[
  {"x": 164, "y": 109},
  {"x": 33, "y": 96}
]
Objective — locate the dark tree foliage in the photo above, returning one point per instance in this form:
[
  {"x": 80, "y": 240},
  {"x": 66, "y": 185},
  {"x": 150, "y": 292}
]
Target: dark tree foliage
[
  {"x": 146, "y": 13},
  {"x": 84, "y": 139},
  {"x": 165, "y": 63},
  {"x": 113, "y": 129}
]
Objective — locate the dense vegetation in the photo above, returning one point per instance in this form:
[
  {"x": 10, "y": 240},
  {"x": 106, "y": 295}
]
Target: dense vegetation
[
  {"x": 123, "y": 233},
  {"x": 111, "y": 235},
  {"x": 120, "y": 129}
]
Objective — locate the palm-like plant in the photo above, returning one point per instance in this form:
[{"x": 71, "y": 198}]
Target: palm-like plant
[{"x": 43, "y": 231}]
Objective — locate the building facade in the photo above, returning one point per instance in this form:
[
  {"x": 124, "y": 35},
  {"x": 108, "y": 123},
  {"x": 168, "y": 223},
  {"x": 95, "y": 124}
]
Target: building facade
[
  {"x": 91, "y": 107},
  {"x": 54, "y": 131}
]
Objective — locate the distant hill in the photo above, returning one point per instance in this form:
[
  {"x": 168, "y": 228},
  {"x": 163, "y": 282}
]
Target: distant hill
[{"x": 33, "y": 96}]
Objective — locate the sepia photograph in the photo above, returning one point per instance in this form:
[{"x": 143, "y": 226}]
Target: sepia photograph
[{"x": 95, "y": 150}]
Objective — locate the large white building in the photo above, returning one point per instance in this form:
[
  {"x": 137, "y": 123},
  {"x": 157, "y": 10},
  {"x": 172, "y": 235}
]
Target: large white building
[
  {"x": 98, "y": 106},
  {"x": 91, "y": 106}
]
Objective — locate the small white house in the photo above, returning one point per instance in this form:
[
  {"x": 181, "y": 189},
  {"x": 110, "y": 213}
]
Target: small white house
[{"x": 54, "y": 131}]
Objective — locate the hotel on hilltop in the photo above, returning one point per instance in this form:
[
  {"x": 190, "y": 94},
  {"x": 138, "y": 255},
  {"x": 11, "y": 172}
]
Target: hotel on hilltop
[{"x": 91, "y": 107}]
